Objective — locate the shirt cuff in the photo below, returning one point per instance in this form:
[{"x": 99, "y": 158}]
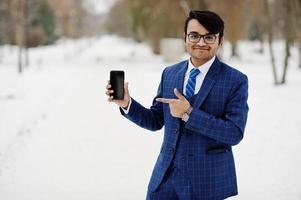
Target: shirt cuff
[{"x": 126, "y": 111}]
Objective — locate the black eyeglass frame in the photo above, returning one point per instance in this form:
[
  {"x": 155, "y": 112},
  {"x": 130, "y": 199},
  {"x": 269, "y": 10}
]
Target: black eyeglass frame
[{"x": 202, "y": 36}]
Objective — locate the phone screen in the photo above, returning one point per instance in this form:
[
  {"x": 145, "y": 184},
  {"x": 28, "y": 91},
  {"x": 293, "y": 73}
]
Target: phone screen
[{"x": 117, "y": 83}]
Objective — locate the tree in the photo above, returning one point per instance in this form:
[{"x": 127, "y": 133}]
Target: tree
[
  {"x": 41, "y": 20},
  {"x": 290, "y": 34},
  {"x": 19, "y": 16},
  {"x": 71, "y": 17},
  {"x": 232, "y": 13},
  {"x": 5, "y": 23},
  {"x": 286, "y": 12},
  {"x": 149, "y": 20},
  {"x": 256, "y": 22},
  {"x": 270, "y": 39},
  {"x": 188, "y": 5},
  {"x": 297, "y": 16}
]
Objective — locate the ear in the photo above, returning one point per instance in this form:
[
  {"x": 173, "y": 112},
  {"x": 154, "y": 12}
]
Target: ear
[{"x": 221, "y": 41}]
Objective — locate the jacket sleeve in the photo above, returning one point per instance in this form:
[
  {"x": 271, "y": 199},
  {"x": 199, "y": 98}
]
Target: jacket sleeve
[
  {"x": 230, "y": 128},
  {"x": 152, "y": 118}
]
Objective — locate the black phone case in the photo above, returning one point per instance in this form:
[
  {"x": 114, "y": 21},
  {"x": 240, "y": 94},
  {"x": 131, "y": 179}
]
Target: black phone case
[{"x": 117, "y": 84}]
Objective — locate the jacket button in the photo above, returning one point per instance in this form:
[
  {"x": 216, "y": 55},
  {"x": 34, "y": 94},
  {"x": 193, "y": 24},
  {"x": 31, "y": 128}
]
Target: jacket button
[{"x": 172, "y": 150}]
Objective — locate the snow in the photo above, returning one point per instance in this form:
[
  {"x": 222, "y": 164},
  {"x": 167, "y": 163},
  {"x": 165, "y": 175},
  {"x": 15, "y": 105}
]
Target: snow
[{"x": 60, "y": 138}]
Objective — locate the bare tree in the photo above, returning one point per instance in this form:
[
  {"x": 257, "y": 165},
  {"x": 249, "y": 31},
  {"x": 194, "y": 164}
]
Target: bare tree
[
  {"x": 297, "y": 11},
  {"x": 185, "y": 5},
  {"x": 149, "y": 20},
  {"x": 71, "y": 17},
  {"x": 18, "y": 13},
  {"x": 6, "y": 22},
  {"x": 232, "y": 13},
  {"x": 3, "y": 9},
  {"x": 289, "y": 33},
  {"x": 255, "y": 20},
  {"x": 26, "y": 33},
  {"x": 270, "y": 39},
  {"x": 286, "y": 13},
  {"x": 188, "y": 5}
]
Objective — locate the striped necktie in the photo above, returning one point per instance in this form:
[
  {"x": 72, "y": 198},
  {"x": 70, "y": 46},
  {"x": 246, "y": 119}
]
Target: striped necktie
[{"x": 190, "y": 86}]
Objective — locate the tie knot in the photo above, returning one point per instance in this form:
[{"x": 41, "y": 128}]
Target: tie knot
[{"x": 194, "y": 72}]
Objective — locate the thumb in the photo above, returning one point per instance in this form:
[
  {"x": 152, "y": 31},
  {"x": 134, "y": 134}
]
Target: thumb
[
  {"x": 126, "y": 88},
  {"x": 178, "y": 94}
]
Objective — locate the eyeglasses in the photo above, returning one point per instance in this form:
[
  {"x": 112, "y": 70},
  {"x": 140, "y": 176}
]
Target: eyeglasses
[{"x": 196, "y": 37}]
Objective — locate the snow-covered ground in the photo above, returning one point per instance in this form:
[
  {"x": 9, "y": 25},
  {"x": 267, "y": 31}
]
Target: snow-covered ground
[{"x": 61, "y": 140}]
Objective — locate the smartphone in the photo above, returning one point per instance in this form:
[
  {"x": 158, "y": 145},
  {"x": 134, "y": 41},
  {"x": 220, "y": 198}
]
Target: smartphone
[{"x": 117, "y": 84}]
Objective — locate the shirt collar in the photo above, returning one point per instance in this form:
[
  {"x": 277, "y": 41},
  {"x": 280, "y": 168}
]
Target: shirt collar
[{"x": 204, "y": 68}]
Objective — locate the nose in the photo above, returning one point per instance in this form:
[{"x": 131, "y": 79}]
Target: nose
[{"x": 201, "y": 42}]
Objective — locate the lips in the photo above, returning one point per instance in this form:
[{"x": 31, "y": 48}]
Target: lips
[{"x": 202, "y": 48}]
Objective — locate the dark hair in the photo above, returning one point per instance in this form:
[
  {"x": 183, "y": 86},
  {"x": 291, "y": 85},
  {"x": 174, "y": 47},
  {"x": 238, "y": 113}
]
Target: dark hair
[{"x": 210, "y": 20}]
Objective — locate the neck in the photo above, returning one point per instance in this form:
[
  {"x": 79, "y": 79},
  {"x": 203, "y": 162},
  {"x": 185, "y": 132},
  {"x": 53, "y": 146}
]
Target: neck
[{"x": 198, "y": 62}]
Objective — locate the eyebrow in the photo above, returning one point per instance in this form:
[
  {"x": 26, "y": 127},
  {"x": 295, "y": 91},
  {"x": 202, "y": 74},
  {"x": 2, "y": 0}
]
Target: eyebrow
[{"x": 200, "y": 34}]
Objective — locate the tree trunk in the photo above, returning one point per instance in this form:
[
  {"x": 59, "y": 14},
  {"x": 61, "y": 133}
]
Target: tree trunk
[
  {"x": 287, "y": 55},
  {"x": 26, "y": 24},
  {"x": 299, "y": 43},
  {"x": 234, "y": 49},
  {"x": 300, "y": 53},
  {"x": 290, "y": 34},
  {"x": 185, "y": 6},
  {"x": 20, "y": 63},
  {"x": 297, "y": 7},
  {"x": 155, "y": 42},
  {"x": 270, "y": 40},
  {"x": 19, "y": 27},
  {"x": 200, "y": 4},
  {"x": 261, "y": 49},
  {"x": 26, "y": 56},
  {"x": 1, "y": 54},
  {"x": 194, "y": 4}
]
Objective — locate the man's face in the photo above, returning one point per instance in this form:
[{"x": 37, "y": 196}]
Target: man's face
[{"x": 200, "y": 51}]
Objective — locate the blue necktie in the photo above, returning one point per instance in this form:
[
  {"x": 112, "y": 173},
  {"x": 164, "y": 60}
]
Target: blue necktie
[{"x": 190, "y": 86}]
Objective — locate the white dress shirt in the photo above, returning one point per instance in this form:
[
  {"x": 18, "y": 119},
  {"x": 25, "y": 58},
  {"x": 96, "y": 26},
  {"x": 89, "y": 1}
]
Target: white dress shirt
[{"x": 204, "y": 68}]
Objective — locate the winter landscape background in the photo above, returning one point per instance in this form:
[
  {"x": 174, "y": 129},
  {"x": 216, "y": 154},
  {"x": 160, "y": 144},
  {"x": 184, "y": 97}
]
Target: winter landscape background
[{"x": 61, "y": 140}]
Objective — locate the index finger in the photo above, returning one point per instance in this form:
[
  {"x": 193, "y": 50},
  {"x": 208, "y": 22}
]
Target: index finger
[{"x": 164, "y": 100}]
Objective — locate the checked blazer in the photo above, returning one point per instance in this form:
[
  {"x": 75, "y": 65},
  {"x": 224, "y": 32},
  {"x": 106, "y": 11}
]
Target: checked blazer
[{"x": 216, "y": 123}]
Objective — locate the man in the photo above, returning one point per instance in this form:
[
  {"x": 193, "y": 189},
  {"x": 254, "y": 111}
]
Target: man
[{"x": 202, "y": 103}]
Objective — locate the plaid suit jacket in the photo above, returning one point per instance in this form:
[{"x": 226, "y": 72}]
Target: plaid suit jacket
[{"x": 216, "y": 123}]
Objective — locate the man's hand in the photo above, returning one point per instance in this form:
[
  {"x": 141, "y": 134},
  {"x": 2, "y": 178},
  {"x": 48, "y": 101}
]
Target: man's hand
[
  {"x": 177, "y": 106},
  {"x": 124, "y": 103}
]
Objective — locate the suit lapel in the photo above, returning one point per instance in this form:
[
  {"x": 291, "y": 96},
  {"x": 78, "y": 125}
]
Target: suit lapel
[
  {"x": 207, "y": 83},
  {"x": 179, "y": 81},
  {"x": 180, "y": 75}
]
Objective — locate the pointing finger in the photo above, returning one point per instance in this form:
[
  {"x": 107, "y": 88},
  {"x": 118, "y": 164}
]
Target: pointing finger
[{"x": 164, "y": 100}]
